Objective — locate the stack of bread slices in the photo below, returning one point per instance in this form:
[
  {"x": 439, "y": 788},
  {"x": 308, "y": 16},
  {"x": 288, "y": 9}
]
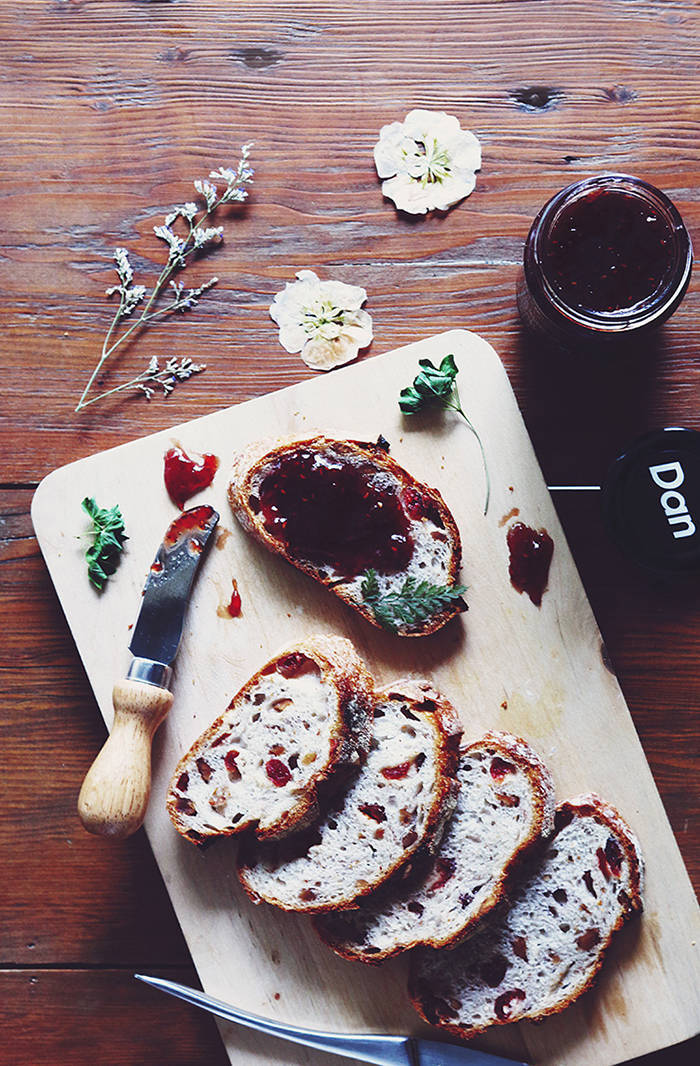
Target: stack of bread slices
[{"x": 362, "y": 807}]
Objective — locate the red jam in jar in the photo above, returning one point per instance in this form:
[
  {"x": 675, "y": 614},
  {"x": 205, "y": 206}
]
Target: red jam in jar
[
  {"x": 605, "y": 258},
  {"x": 335, "y": 512}
]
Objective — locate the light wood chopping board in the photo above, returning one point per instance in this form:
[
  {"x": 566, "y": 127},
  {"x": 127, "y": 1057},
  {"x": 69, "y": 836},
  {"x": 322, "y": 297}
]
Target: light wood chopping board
[{"x": 506, "y": 664}]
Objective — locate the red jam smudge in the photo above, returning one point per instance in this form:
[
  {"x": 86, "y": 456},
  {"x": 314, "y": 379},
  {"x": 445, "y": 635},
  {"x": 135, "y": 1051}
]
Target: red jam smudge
[
  {"x": 334, "y": 512},
  {"x": 189, "y": 522},
  {"x": 234, "y": 606},
  {"x": 185, "y": 476},
  {"x": 530, "y": 555}
]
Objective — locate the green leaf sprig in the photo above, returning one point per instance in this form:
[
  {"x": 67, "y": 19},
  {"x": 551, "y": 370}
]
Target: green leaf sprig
[
  {"x": 108, "y": 531},
  {"x": 409, "y": 605},
  {"x": 436, "y": 386}
]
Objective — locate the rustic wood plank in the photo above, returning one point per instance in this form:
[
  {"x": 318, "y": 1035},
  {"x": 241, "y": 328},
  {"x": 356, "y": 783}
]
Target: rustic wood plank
[
  {"x": 86, "y": 1016},
  {"x": 78, "y": 1017},
  {"x": 576, "y": 98}
]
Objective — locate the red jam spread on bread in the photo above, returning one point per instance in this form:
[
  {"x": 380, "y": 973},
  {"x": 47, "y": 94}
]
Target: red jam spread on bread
[
  {"x": 185, "y": 476},
  {"x": 334, "y": 512}
]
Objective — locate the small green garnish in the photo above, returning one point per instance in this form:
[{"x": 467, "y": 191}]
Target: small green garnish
[
  {"x": 437, "y": 387},
  {"x": 409, "y": 605},
  {"x": 104, "y": 553}
]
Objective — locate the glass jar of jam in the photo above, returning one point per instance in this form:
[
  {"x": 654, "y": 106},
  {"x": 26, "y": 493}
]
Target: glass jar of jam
[{"x": 606, "y": 259}]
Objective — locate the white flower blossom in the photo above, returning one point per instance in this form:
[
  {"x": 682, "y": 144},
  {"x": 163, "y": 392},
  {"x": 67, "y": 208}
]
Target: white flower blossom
[
  {"x": 322, "y": 319},
  {"x": 208, "y": 235},
  {"x": 429, "y": 161},
  {"x": 207, "y": 190}
]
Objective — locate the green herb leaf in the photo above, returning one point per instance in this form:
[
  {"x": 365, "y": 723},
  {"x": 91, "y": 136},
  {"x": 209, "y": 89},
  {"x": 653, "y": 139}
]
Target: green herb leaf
[
  {"x": 436, "y": 386},
  {"x": 108, "y": 531},
  {"x": 409, "y": 605}
]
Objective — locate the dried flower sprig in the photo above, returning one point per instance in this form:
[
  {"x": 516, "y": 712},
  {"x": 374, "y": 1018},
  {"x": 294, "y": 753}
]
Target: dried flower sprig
[
  {"x": 197, "y": 238},
  {"x": 155, "y": 377}
]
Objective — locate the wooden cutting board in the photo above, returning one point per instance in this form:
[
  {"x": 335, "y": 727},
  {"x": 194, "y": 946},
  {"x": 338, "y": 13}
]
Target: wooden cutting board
[{"x": 506, "y": 664}]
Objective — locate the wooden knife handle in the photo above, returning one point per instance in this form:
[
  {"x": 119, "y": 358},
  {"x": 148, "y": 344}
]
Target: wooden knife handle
[{"x": 114, "y": 796}]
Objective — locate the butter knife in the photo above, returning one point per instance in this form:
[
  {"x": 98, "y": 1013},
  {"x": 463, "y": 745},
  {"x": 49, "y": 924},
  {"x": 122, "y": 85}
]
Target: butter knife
[
  {"x": 114, "y": 795},
  {"x": 380, "y": 1049}
]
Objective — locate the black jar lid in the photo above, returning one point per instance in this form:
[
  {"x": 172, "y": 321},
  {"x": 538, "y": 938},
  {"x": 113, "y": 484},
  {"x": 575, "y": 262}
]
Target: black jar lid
[{"x": 651, "y": 499}]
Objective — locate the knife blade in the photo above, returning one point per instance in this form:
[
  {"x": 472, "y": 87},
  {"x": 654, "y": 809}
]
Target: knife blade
[
  {"x": 114, "y": 795},
  {"x": 379, "y": 1049}
]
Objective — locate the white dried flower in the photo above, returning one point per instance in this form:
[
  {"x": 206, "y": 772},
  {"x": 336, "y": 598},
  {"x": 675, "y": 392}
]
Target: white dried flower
[
  {"x": 429, "y": 161},
  {"x": 210, "y": 235},
  {"x": 177, "y": 245},
  {"x": 322, "y": 319},
  {"x": 124, "y": 269},
  {"x": 129, "y": 295},
  {"x": 168, "y": 377},
  {"x": 207, "y": 190}
]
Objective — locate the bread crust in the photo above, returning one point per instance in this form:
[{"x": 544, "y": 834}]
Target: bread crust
[
  {"x": 591, "y": 805},
  {"x": 423, "y": 699},
  {"x": 341, "y": 667},
  {"x": 247, "y": 466},
  {"x": 517, "y": 751}
]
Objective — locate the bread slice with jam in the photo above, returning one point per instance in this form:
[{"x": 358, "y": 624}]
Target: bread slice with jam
[
  {"x": 396, "y": 807},
  {"x": 540, "y": 953},
  {"x": 504, "y": 808},
  {"x": 346, "y": 514},
  {"x": 284, "y": 738}
]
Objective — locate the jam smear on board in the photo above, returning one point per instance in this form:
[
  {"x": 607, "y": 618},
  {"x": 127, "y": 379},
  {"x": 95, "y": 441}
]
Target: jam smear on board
[
  {"x": 185, "y": 476},
  {"x": 335, "y": 512},
  {"x": 608, "y": 251},
  {"x": 530, "y": 555},
  {"x": 187, "y": 523},
  {"x": 234, "y": 606}
]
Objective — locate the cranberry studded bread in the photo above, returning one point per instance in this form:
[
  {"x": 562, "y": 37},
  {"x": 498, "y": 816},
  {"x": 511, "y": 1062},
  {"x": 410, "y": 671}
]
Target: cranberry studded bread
[
  {"x": 398, "y": 804},
  {"x": 538, "y": 955},
  {"x": 347, "y": 515},
  {"x": 504, "y": 807},
  {"x": 301, "y": 718}
]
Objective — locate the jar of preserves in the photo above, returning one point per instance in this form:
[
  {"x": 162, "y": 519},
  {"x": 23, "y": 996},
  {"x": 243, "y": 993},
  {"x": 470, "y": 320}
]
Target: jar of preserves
[{"x": 606, "y": 259}]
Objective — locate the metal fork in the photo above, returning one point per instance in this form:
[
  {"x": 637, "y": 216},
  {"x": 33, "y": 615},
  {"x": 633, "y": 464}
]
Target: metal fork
[{"x": 379, "y": 1049}]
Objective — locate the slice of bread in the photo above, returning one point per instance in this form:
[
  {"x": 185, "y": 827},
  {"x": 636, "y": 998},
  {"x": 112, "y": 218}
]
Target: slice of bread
[
  {"x": 505, "y": 806},
  {"x": 397, "y": 805},
  {"x": 338, "y": 509},
  {"x": 304, "y": 716},
  {"x": 536, "y": 956}
]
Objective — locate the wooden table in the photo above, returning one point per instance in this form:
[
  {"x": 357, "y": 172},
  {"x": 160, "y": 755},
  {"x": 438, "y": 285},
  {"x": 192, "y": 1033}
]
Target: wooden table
[{"x": 109, "y": 110}]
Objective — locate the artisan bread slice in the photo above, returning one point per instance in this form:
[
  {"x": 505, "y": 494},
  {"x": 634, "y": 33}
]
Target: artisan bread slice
[
  {"x": 539, "y": 954},
  {"x": 504, "y": 807},
  {"x": 398, "y": 804},
  {"x": 338, "y": 510},
  {"x": 300, "y": 719}
]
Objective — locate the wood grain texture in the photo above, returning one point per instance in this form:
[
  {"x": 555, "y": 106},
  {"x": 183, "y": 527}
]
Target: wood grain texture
[
  {"x": 109, "y": 108},
  {"x": 174, "y": 88}
]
